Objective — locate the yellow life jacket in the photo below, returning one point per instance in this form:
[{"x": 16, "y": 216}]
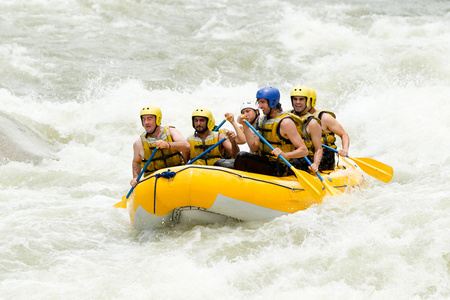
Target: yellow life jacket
[
  {"x": 198, "y": 146},
  {"x": 270, "y": 130},
  {"x": 301, "y": 122},
  {"x": 328, "y": 139},
  {"x": 164, "y": 158}
]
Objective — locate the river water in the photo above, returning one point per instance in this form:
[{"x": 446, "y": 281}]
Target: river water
[{"x": 75, "y": 74}]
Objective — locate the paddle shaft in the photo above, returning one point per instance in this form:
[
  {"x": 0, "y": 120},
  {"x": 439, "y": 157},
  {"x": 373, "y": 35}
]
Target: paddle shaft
[
  {"x": 328, "y": 147},
  {"x": 142, "y": 171},
  {"x": 309, "y": 163},
  {"x": 267, "y": 143},
  {"x": 207, "y": 150},
  {"x": 309, "y": 184},
  {"x": 220, "y": 125}
]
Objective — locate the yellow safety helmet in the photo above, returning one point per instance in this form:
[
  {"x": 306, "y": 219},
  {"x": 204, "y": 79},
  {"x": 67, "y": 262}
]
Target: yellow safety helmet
[
  {"x": 213, "y": 122},
  {"x": 152, "y": 110},
  {"x": 204, "y": 112},
  {"x": 301, "y": 91},
  {"x": 312, "y": 92}
]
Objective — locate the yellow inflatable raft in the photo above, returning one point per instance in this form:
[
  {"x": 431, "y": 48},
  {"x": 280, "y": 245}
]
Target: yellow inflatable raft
[{"x": 206, "y": 194}]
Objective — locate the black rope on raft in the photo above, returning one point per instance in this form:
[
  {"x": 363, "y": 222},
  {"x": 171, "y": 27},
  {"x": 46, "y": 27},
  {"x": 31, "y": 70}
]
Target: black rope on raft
[{"x": 168, "y": 175}]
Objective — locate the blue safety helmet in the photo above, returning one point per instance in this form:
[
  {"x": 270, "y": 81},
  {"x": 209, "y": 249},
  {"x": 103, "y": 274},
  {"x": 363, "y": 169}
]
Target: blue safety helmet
[{"x": 272, "y": 94}]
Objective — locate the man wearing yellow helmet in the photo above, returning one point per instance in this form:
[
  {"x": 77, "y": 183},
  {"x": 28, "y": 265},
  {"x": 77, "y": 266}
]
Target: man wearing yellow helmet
[
  {"x": 330, "y": 127},
  {"x": 204, "y": 137},
  {"x": 170, "y": 142},
  {"x": 308, "y": 126}
]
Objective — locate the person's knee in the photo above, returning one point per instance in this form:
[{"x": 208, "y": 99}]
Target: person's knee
[
  {"x": 226, "y": 163},
  {"x": 242, "y": 160},
  {"x": 239, "y": 162},
  {"x": 218, "y": 162}
]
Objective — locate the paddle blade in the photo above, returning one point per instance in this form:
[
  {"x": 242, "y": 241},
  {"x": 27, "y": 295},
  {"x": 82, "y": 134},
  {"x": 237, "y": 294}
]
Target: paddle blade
[
  {"x": 123, "y": 203},
  {"x": 309, "y": 183},
  {"x": 331, "y": 190},
  {"x": 375, "y": 168}
]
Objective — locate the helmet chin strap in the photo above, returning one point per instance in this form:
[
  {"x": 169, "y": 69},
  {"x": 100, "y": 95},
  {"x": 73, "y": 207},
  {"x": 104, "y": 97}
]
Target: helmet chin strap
[
  {"x": 302, "y": 112},
  {"x": 154, "y": 129},
  {"x": 256, "y": 117}
]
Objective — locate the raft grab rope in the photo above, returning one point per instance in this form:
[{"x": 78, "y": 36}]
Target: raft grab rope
[{"x": 166, "y": 174}]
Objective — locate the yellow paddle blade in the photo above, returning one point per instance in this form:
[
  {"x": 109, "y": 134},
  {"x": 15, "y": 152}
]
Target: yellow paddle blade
[
  {"x": 331, "y": 190},
  {"x": 309, "y": 184},
  {"x": 375, "y": 168},
  {"x": 123, "y": 203}
]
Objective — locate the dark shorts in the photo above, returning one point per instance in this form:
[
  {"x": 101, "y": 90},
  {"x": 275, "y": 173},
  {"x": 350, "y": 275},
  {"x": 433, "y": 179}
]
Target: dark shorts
[
  {"x": 226, "y": 163},
  {"x": 327, "y": 163},
  {"x": 328, "y": 160},
  {"x": 254, "y": 163}
]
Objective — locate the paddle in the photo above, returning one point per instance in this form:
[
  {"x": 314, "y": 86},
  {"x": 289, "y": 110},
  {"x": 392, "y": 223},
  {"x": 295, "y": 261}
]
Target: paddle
[
  {"x": 328, "y": 187},
  {"x": 123, "y": 203},
  {"x": 220, "y": 125},
  {"x": 207, "y": 150},
  {"x": 371, "y": 166},
  {"x": 309, "y": 183}
]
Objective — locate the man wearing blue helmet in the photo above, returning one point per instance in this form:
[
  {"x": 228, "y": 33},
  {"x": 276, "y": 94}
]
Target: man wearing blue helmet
[{"x": 279, "y": 130}]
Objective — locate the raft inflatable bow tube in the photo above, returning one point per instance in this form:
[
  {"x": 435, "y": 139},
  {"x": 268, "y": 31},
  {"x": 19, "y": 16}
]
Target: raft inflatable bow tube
[{"x": 195, "y": 194}]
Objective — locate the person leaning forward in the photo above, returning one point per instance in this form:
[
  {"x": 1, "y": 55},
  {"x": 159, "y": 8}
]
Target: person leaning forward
[
  {"x": 279, "y": 130},
  {"x": 172, "y": 146},
  {"x": 330, "y": 128},
  {"x": 204, "y": 137},
  {"x": 236, "y": 138},
  {"x": 249, "y": 112}
]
